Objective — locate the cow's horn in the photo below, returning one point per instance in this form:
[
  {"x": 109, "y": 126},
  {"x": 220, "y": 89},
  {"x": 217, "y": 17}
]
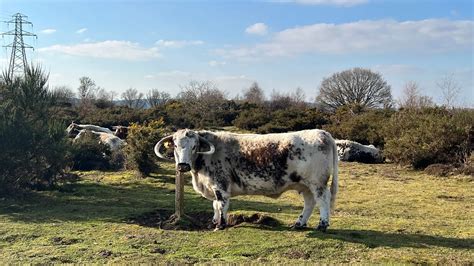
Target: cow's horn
[
  {"x": 158, "y": 146},
  {"x": 211, "y": 150}
]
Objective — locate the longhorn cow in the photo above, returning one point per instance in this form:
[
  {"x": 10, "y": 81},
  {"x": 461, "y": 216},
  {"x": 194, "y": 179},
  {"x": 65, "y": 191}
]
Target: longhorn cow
[{"x": 225, "y": 164}]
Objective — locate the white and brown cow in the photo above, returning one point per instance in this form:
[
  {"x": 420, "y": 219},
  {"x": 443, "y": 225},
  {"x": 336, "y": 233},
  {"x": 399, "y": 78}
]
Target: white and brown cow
[
  {"x": 112, "y": 141},
  {"x": 351, "y": 151},
  {"x": 225, "y": 164},
  {"x": 73, "y": 129}
]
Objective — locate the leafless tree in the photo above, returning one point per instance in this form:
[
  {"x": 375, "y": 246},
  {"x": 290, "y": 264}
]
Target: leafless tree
[
  {"x": 203, "y": 100},
  {"x": 104, "y": 98},
  {"x": 87, "y": 94},
  {"x": 358, "y": 87},
  {"x": 133, "y": 99},
  {"x": 450, "y": 89},
  {"x": 157, "y": 98},
  {"x": 298, "y": 97},
  {"x": 412, "y": 97},
  {"x": 87, "y": 89},
  {"x": 280, "y": 100},
  {"x": 254, "y": 94},
  {"x": 63, "y": 94}
]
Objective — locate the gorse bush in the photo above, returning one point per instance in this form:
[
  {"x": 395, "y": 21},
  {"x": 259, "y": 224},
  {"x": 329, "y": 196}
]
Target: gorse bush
[
  {"x": 363, "y": 127},
  {"x": 140, "y": 143},
  {"x": 420, "y": 137},
  {"x": 88, "y": 153},
  {"x": 33, "y": 144}
]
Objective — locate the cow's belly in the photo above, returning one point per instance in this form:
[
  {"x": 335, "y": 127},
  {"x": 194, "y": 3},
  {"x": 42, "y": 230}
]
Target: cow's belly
[{"x": 265, "y": 187}]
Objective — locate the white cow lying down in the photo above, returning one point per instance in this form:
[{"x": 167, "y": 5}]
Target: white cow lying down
[
  {"x": 351, "y": 151},
  {"x": 112, "y": 141}
]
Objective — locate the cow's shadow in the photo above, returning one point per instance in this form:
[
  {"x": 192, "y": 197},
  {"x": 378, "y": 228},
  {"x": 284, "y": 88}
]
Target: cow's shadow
[{"x": 373, "y": 239}]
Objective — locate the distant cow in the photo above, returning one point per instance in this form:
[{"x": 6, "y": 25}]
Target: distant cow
[
  {"x": 120, "y": 131},
  {"x": 112, "y": 141},
  {"x": 351, "y": 151},
  {"x": 225, "y": 164},
  {"x": 73, "y": 129}
]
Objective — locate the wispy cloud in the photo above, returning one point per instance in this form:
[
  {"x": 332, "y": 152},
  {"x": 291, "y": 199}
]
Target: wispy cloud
[
  {"x": 112, "y": 49},
  {"x": 178, "y": 43},
  {"x": 48, "y": 31},
  {"x": 257, "y": 29},
  {"x": 343, "y": 3},
  {"x": 215, "y": 63},
  {"x": 81, "y": 31},
  {"x": 431, "y": 35}
]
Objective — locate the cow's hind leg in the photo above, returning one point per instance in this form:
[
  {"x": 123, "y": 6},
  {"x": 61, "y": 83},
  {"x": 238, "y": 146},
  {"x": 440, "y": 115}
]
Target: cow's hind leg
[
  {"x": 309, "y": 203},
  {"x": 222, "y": 205},
  {"x": 323, "y": 199},
  {"x": 215, "y": 218}
]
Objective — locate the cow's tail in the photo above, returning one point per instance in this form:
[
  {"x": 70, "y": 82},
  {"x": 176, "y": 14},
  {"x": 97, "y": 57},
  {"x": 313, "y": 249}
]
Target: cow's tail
[{"x": 334, "y": 184}]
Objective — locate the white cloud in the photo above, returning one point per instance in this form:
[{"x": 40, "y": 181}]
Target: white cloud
[
  {"x": 215, "y": 63},
  {"x": 178, "y": 44},
  {"x": 112, "y": 49},
  {"x": 48, "y": 31},
  {"x": 372, "y": 36},
  {"x": 257, "y": 29},
  {"x": 81, "y": 31}
]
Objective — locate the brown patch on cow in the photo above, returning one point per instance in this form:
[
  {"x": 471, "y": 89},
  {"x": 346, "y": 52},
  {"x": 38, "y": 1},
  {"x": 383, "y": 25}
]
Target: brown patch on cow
[{"x": 266, "y": 162}]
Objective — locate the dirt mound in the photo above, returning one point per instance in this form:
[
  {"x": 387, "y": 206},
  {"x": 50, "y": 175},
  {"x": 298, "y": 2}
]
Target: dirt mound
[{"x": 196, "y": 221}]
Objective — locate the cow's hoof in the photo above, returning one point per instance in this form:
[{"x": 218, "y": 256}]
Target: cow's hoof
[
  {"x": 323, "y": 226},
  {"x": 298, "y": 226},
  {"x": 219, "y": 227}
]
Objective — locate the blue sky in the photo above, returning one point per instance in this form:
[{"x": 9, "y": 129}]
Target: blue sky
[{"x": 280, "y": 44}]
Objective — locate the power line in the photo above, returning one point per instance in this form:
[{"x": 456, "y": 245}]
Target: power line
[{"x": 18, "y": 61}]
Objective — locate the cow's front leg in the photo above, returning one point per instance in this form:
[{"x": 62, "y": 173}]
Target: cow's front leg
[
  {"x": 309, "y": 203},
  {"x": 222, "y": 204},
  {"x": 215, "y": 218}
]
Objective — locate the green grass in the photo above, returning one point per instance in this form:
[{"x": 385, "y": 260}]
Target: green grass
[{"x": 384, "y": 214}]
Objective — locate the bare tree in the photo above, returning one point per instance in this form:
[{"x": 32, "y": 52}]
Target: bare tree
[
  {"x": 157, "y": 98},
  {"x": 280, "y": 100},
  {"x": 133, "y": 99},
  {"x": 254, "y": 94},
  {"x": 203, "y": 100},
  {"x": 412, "y": 97},
  {"x": 87, "y": 89},
  {"x": 63, "y": 94},
  {"x": 104, "y": 98},
  {"x": 298, "y": 97},
  {"x": 449, "y": 89},
  {"x": 358, "y": 87},
  {"x": 87, "y": 94}
]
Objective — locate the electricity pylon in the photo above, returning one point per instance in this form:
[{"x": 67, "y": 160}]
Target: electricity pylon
[{"x": 18, "y": 62}]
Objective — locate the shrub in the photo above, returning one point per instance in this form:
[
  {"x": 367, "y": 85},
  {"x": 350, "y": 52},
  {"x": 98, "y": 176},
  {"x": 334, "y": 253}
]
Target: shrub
[
  {"x": 140, "y": 143},
  {"x": 364, "y": 127},
  {"x": 420, "y": 137},
  {"x": 33, "y": 144},
  {"x": 87, "y": 153},
  {"x": 251, "y": 119}
]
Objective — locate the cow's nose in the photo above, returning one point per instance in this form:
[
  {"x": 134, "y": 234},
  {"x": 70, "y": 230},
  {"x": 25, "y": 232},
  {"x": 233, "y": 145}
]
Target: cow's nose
[{"x": 184, "y": 167}]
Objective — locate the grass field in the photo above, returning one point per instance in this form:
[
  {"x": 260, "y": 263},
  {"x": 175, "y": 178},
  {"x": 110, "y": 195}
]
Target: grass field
[{"x": 384, "y": 214}]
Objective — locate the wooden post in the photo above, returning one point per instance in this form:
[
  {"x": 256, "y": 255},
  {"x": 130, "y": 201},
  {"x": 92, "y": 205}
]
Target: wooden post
[{"x": 179, "y": 196}]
